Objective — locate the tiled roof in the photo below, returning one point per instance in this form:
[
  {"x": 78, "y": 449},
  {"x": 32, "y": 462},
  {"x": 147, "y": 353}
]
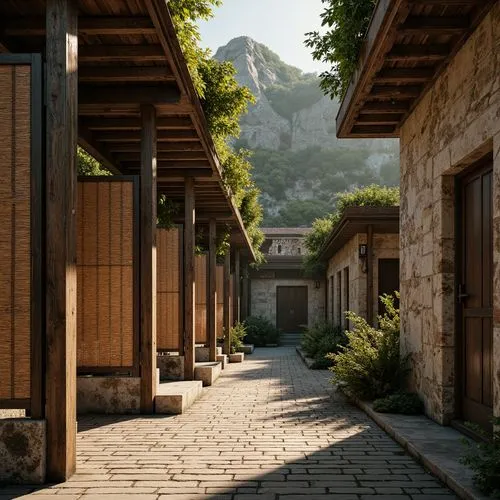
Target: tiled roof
[{"x": 288, "y": 231}]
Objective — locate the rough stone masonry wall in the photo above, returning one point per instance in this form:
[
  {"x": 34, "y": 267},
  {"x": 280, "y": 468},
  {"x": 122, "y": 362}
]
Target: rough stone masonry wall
[
  {"x": 456, "y": 123},
  {"x": 263, "y": 298},
  {"x": 289, "y": 246}
]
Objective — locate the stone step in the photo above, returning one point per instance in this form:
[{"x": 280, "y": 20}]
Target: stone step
[
  {"x": 208, "y": 372},
  {"x": 247, "y": 348},
  {"x": 171, "y": 367},
  {"x": 291, "y": 339},
  {"x": 174, "y": 398},
  {"x": 237, "y": 357},
  {"x": 202, "y": 354},
  {"x": 222, "y": 359}
]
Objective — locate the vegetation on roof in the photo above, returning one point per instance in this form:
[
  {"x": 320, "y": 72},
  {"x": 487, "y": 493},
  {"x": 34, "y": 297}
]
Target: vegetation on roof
[
  {"x": 346, "y": 23},
  {"x": 369, "y": 196},
  {"x": 224, "y": 101}
]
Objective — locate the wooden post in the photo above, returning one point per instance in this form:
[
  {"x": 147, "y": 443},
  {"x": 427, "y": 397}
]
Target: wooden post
[
  {"x": 148, "y": 258},
  {"x": 212, "y": 290},
  {"x": 236, "y": 287},
  {"x": 61, "y": 176},
  {"x": 189, "y": 280},
  {"x": 227, "y": 302},
  {"x": 244, "y": 294},
  {"x": 369, "y": 275}
]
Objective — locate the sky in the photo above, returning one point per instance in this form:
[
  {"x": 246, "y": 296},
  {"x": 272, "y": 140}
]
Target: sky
[{"x": 279, "y": 24}]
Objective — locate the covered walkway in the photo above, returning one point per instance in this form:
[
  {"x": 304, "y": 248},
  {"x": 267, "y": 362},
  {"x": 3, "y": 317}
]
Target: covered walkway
[{"x": 268, "y": 427}]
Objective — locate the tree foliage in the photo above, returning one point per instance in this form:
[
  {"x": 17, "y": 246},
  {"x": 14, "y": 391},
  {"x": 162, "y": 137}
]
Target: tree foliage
[
  {"x": 224, "y": 101},
  {"x": 88, "y": 165},
  {"x": 346, "y": 23},
  {"x": 369, "y": 196}
]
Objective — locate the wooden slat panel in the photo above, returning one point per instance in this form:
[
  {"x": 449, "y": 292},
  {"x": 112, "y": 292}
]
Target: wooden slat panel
[
  {"x": 106, "y": 323},
  {"x": 220, "y": 299},
  {"x": 200, "y": 272},
  {"x": 168, "y": 289},
  {"x": 15, "y": 233}
]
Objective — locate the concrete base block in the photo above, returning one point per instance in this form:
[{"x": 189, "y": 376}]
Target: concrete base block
[
  {"x": 237, "y": 357},
  {"x": 108, "y": 395},
  {"x": 208, "y": 373},
  {"x": 202, "y": 354},
  {"x": 171, "y": 367},
  {"x": 174, "y": 398},
  {"x": 222, "y": 359},
  {"x": 23, "y": 444},
  {"x": 12, "y": 414},
  {"x": 247, "y": 348}
]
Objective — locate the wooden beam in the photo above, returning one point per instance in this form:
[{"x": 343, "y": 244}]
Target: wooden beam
[
  {"x": 163, "y": 147},
  {"x": 418, "y": 53},
  {"x": 212, "y": 290},
  {"x": 227, "y": 303},
  {"x": 379, "y": 119},
  {"x": 129, "y": 123},
  {"x": 368, "y": 131},
  {"x": 426, "y": 25},
  {"x": 129, "y": 94},
  {"x": 162, "y": 135},
  {"x": 99, "y": 152},
  {"x": 395, "y": 107},
  {"x": 396, "y": 91},
  {"x": 125, "y": 74},
  {"x": 443, "y": 3},
  {"x": 404, "y": 75},
  {"x": 148, "y": 259},
  {"x": 168, "y": 175},
  {"x": 61, "y": 177},
  {"x": 90, "y": 26},
  {"x": 121, "y": 53},
  {"x": 245, "y": 292},
  {"x": 189, "y": 280},
  {"x": 236, "y": 291}
]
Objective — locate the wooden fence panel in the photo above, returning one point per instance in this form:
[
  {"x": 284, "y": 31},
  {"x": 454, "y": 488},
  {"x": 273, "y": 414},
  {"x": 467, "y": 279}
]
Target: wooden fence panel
[
  {"x": 220, "y": 299},
  {"x": 20, "y": 233},
  {"x": 107, "y": 273},
  {"x": 169, "y": 286},
  {"x": 201, "y": 284}
]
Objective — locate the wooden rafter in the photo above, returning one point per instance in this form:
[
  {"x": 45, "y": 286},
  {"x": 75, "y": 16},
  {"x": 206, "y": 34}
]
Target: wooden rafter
[
  {"x": 128, "y": 94},
  {"x": 121, "y": 74},
  {"x": 121, "y": 53}
]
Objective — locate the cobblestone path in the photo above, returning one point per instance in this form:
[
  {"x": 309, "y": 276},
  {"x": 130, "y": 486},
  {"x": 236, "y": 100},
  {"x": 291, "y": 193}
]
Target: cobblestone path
[{"x": 269, "y": 429}]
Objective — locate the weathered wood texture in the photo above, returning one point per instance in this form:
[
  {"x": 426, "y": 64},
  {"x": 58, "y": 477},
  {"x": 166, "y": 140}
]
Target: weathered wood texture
[
  {"x": 227, "y": 303},
  {"x": 61, "y": 298},
  {"x": 148, "y": 258},
  {"x": 236, "y": 289},
  {"x": 15, "y": 237},
  {"x": 189, "y": 280},
  {"x": 212, "y": 290},
  {"x": 106, "y": 228},
  {"x": 168, "y": 289},
  {"x": 201, "y": 288},
  {"x": 219, "y": 277}
]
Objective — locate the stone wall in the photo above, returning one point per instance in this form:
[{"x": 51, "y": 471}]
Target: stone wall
[
  {"x": 263, "y": 298},
  {"x": 288, "y": 246},
  {"x": 456, "y": 123}
]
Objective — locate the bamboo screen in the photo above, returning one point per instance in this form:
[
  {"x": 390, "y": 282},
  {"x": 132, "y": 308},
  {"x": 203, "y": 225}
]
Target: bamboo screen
[
  {"x": 220, "y": 300},
  {"x": 105, "y": 271},
  {"x": 168, "y": 293},
  {"x": 15, "y": 232},
  {"x": 200, "y": 273}
]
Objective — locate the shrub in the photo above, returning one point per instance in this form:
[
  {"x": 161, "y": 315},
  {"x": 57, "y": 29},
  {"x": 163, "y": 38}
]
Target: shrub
[
  {"x": 238, "y": 332},
  {"x": 261, "y": 332},
  {"x": 320, "y": 340},
  {"x": 405, "y": 403},
  {"x": 370, "y": 365},
  {"x": 484, "y": 459}
]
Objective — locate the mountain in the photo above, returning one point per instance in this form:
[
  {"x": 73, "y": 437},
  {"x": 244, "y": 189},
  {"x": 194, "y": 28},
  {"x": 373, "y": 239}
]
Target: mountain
[{"x": 298, "y": 161}]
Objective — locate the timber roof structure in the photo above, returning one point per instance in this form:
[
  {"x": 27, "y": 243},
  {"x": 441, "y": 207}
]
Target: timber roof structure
[
  {"x": 408, "y": 44},
  {"x": 356, "y": 220},
  {"x": 129, "y": 55}
]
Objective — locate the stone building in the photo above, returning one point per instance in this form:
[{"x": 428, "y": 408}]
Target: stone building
[
  {"x": 362, "y": 262},
  {"x": 279, "y": 290},
  {"x": 430, "y": 75}
]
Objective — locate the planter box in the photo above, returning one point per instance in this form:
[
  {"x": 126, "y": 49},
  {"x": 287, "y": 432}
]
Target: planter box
[{"x": 237, "y": 357}]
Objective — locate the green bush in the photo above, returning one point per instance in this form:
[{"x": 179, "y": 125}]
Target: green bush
[
  {"x": 404, "y": 403},
  {"x": 370, "y": 365},
  {"x": 320, "y": 340},
  {"x": 484, "y": 459},
  {"x": 238, "y": 332},
  {"x": 261, "y": 332}
]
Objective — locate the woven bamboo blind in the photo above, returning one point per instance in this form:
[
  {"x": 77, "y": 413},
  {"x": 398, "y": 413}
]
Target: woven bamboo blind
[
  {"x": 168, "y": 291},
  {"x": 105, "y": 273},
  {"x": 15, "y": 232},
  {"x": 220, "y": 299},
  {"x": 200, "y": 273}
]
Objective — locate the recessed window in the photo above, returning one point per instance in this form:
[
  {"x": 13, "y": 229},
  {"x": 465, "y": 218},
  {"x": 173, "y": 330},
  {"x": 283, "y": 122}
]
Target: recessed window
[
  {"x": 279, "y": 248},
  {"x": 299, "y": 250}
]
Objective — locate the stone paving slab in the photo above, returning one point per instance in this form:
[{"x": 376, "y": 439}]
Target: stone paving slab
[{"x": 268, "y": 428}]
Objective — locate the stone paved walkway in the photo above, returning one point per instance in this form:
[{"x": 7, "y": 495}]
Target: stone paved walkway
[{"x": 269, "y": 429}]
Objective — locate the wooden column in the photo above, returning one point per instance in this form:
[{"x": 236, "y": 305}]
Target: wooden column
[
  {"x": 148, "y": 258},
  {"x": 245, "y": 293},
  {"x": 236, "y": 287},
  {"x": 212, "y": 290},
  {"x": 189, "y": 280},
  {"x": 227, "y": 294},
  {"x": 61, "y": 176},
  {"x": 369, "y": 275}
]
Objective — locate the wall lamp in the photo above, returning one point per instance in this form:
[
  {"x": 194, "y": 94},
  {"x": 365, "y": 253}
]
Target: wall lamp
[{"x": 363, "y": 256}]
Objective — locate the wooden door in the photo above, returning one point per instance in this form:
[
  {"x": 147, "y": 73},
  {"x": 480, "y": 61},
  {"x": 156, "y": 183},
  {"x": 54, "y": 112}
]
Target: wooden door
[
  {"x": 388, "y": 280},
  {"x": 475, "y": 296},
  {"x": 291, "y": 308}
]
